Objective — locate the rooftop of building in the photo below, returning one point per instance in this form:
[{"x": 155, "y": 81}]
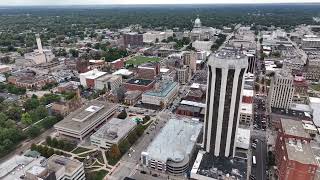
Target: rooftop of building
[
  {"x": 86, "y": 115},
  {"x": 132, "y": 94},
  {"x": 247, "y": 92},
  {"x": 108, "y": 77},
  {"x": 175, "y": 140},
  {"x": 56, "y": 163},
  {"x": 209, "y": 166},
  {"x": 17, "y": 165},
  {"x": 163, "y": 89},
  {"x": 140, "y": 82},
  {"x": 192, "y": 103},
  {"x": 123, "y": 72},
  {"x": 93, "y": 74},
  {"x": 246, "y": 108},
  {"x": 114, "y": 130},
  {"x": 243, "y": 138},
  {"x": 293, "y": 128},
  {"x": 300, "y": 151},
  {"x": 189, "y": 108},
  {"x": 228, "y": 58}
]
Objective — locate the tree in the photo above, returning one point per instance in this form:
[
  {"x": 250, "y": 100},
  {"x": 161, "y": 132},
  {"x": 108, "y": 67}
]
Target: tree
[
  {"x": 31, "y": 103},
  {"x": 34, "y": 147},
  {"x": 132, "y": 137},
  {"x": 139, "y": 130},
  {"x": 26, "y": 118},
  {"x": 123, "y": 114},
  {"x": 48, "y": 140},
  {"x": 74, "y": 53},
  {"x": 146, "y": 118},
  {"x": 114, "y": 152},
  {"x": 34, "y": 131},
  {"x": 124, "y": 146}
]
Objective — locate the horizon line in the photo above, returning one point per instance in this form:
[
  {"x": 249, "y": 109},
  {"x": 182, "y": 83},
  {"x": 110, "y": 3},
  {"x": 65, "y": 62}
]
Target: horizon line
[{"x": 244, "y": 3}]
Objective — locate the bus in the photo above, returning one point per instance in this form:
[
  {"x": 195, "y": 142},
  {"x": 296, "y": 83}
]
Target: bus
[{"x": 254, "y": 162}]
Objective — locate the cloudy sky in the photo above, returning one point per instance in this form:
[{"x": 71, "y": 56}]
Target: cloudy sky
[{"x": 87, "y": 2}]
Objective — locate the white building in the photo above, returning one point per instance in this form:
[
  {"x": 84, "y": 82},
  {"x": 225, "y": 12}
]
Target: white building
[
  {"x": 202, "y": 45},
  {"x": 66, "y": 168},
  {"x": 109, "y": 82},
  {"x": 246, "y": 113},
  {"x": 88, "y": 79},
  {"x": 112, "y": 132},
  {"x": 281, "y": 90},
  {"x": 40, "y": 55},
  {"x": 311, "y": 42},
  {"x": 224, "y": 97},
  {"x": 152, "y": 36},
  {"x": 162, "y": 94},
  {"x": 190, "y": 59},
  {"x": 172, "y": 149}
]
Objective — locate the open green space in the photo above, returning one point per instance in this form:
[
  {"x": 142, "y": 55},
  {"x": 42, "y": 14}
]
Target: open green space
[
  {"x": 79, "y": 150},
  {"x": 137, "y": 60},
  {"x": 96, "y": 175},
  {"x": 315, "y": 87}
]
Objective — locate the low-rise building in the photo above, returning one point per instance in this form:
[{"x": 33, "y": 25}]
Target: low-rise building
[
  {"x": 162, "y": 94},
  {"x": 88, "y": 79},
  {"x": 171, "y": 150},
  {"x": 148, "y": 70},
  {"x": 30, "y": 80},
  {"x": 136, "y": 84},
  {"x": 66, "y": 168},
  {"x": 81, "y": 122},
  {"x": 108, "y": 82},
  {"x": 132, "y": 97},
  {"x": 202, "y": 45},
  {"x": 246, "y": 113},
  {"x": 113, "y": 132}
]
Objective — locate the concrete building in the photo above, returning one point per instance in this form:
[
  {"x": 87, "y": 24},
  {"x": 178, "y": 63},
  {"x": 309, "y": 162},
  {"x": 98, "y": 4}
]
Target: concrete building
[
  {"x": 132, "y": 97},
  {"x": 148, "y": 70},
  {"x": 136, "y": 84},
  {"x": 294, "y": 157},
  {"x": 251, "y": 63},
  {"x": 30, "y": 80},
  {"x": 40, "y": 55},
  {"x": 81, "y": 122},
  {"x": 88, "y": 79},
  {"x": 202, "y": 45},
  {"x": 281, "y": 90},
  {"x": 190, "y": 59},
  {"x": 108, "y": 82},
  {"x": 132, "y": 40},
  {"x": 113, "y": 132},
  {"x": 153, "y": 36},
  {"x": 183, "y": 74},
  {"x": 246, "y": 113},
  {"x": 4, "y": 68},
  {"x": 66, "y": 168},
  {"x": 313, "y": 42},
  {"x": 224, "y": 96},
  {"x": 162, "y": 94},
  {"x": 171, "y": 150}
]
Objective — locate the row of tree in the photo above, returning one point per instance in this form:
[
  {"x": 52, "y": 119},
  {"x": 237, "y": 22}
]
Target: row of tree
[{"x": 45, "y": 151}]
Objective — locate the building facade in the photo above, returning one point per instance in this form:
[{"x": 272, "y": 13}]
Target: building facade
[
  {"x": 224, "y": 95},
  {"x": 132, "y": 40},
  {"x": 281, "y": 90}
]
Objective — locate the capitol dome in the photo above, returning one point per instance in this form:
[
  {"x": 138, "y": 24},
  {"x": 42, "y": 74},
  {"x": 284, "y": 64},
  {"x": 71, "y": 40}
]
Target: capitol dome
[{"x": 197, "y": 23}]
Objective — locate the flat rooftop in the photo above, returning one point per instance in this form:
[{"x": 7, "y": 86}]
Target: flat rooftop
[
  {"x": 175, "y": 141},
  {"x": 243, "y": 138},
  {"x": 246, "y": 108},
  {"x": 140, "y": 82},
  {"x": 164, "y": 88},
  {"x": 293, "y": 128},
  {"x": 300, "y": 152},
  {"x": 56, "y": 163},
  {"x": 114, "y": 130},
  {"x": 80, "y": 119},
  {"x": 93, "y": 74},
  {"x": 315, "y": 105},
  {"x": 209, "y": 166}
]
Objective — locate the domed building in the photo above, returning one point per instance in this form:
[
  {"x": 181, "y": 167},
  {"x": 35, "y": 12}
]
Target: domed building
[{"x": 200, "y": 32}]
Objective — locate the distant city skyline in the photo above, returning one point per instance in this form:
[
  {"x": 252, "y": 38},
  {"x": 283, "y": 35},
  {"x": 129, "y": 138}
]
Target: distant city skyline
[{"x": 113, "y": 2}]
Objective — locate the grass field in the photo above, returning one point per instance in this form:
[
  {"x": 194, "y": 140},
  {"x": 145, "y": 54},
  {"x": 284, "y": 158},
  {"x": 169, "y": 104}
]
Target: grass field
[
  {"x": 316, "y": 87},
  {"x": 141, "y": 59}
]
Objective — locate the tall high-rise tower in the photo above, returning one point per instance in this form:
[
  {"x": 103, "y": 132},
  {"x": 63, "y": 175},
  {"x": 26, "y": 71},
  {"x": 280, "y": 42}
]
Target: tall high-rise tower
[
  {"x": 224, "y": 94},
  {"x": 39, "y": 43}
]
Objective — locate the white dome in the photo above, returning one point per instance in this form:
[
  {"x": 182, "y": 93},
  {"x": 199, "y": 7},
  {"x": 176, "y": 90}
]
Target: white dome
[{"x": 197, "y": 23}]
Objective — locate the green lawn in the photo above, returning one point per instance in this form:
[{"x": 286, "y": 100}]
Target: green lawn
[
  {"x": 79, "y": 150},
  {"x": 96, "y": 175},
  {"x": 141, "y": 59},
  {"x": 316, "y": 87}
]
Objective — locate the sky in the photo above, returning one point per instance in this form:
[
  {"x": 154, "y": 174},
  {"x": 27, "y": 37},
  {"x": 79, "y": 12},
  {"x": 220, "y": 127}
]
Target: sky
[{"x": 106, "y": 2}]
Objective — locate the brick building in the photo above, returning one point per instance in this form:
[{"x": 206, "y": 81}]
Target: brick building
[
  {"x": 294, "y": 156},
  {"x": 132, "y": 40},
  {"x": 139, "y": 84},
  {"x": 148, "y": 70}
]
